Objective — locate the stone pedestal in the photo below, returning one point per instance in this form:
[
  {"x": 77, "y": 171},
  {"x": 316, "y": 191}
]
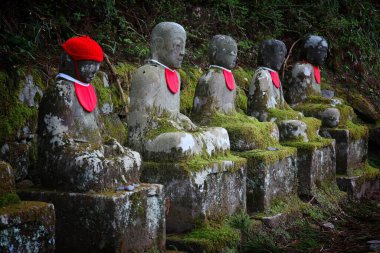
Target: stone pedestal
[
  {"x": 27, "y": 227},
  {"x": 315, "y": 164},
  {"x": 198, "y": 189},
  {"x": 107, "y": 221},
  {"x": 351, "y": 151},
  {"x": 271, "y": 175},
  {"x": 358, "y": 187}
]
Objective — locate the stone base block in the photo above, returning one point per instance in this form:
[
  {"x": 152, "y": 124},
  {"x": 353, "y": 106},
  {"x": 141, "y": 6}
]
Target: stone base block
[
  {"x": 108, "y": 221},
  {"x": 271, "y": 175},
  {"x": 27, "y": 227},
  {"x": 198, "y": 189},
  {"x": 358, "y": 187},
  {"x": 316, "y": 165},
  {"x": 351, "y": 150}
]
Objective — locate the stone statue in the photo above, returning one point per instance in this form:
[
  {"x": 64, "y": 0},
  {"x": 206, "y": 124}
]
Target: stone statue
[
  {"x": 306, "y": 79},
  {"x": 265, "y": 91},
  {"x": 216, "y": 91},
  {"x": 156, "y": 127},
  {"x": 72, "y": 154}
]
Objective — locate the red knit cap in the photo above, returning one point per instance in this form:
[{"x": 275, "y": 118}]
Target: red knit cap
[{"x": 83, "y": 48}]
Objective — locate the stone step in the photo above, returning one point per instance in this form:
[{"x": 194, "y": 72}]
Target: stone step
[
  {"x": 199, "y": 189},
  {"x": 315, "y": 164},
  {"x": 117, "y": 221},
  {"x": 351, "y": 147},
  {"x": 27, "y": 227},
  {"x": 364, "y": 183},
  {"x": 271, "y": 175}
]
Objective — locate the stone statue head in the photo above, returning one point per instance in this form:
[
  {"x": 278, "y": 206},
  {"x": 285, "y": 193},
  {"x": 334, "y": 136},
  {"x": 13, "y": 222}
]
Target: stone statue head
[
  {"x": 272, "y": 54},
  {"x": 86, "y": 70},
  {"x": 315, "y": 50},
  {"x": 81, "y": 58},
  {"x": 293, "y": 130},
  {"x": 223, "y": 51},
  {"x": 167, "y": 44},
  {"x": 330, "y": 117}
]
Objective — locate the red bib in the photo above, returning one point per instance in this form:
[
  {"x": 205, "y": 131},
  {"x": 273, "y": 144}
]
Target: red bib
[
  {"x": 275, "y": 79},
  {"x": 86, "y": 96},
  {"x": 317, "y": 74},
  {"x": 230, "y": 80},
  {"x": 172, "y": 80}
]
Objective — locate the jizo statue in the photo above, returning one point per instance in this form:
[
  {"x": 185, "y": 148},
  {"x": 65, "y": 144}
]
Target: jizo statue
[
  {"x": 156, "y": 126},
  {"x": 72, "y": 154},
  {"x": 216, "y": 90},
  {"x": 265, "y": 90},
  {"x": 306, "y": 77}
]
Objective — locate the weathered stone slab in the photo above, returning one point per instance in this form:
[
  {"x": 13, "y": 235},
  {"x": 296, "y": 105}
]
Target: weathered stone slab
[
  {"x": 316, "y": 165},
  {"x": 351, "y": 153},
  {"x": 108, "y": 221},
  {"x": 271, "y": 175},
  {"x": 356, "y": 187},
  {"x": 27, "y": 227},
  {"x": 199, "y": 189}
]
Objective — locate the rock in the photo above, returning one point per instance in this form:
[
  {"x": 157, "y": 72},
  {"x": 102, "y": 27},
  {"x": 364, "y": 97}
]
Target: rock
[
  {"x": 328, "y": 225},
  {"x": 128, "y": 221},
  {"x": 27, "y": 227},
  {"x": 7, "y": 180},
  {"x": 28, "y": 93},
  {"x": 273, "y": 221},
  {"x": 199, "y": 190},
  {"x": 24, "y": 184},
  {"x": 374, "y": 245},
  {"x": 271, "y": 175},
  {"x": 291, "y": 130},
  {"x": 328, "y": 93},
  {"x": 351, "y": 148},
  {"x": 329, "y": 117}
]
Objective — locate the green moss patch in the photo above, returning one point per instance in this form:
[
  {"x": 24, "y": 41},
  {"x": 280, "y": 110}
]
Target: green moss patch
[
  {"x": 196, "y": 164},
  {"x": 189, "y": 81},
  {"x": 357, "y": 132},
  {"x": 240, "y": 126},
  {"x": 8, "y": 199},
  {"x": 309, "y": 146},
  {"x": 210, "y": 237},
  {"x": 266, "y": 156},
  {"x": 13, "y": 113},
  {"x": 280, "y": 114},
  {"x": 313, "y": 125},
  {"x": 367, "y": 172}
]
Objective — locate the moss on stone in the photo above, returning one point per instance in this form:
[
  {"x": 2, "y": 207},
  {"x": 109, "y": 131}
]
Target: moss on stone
[
  {"x": 240, "y": 126},
  {"x": 197, "y": 164},
  {"x": 214, "y": 237},
  {"x": 313, "y": 125},
  {"x": 356, "y": 131},
  {"x": 8, "y": 199},
  {"x": 280, "y": 114},
  {"x": 113, "y": 128},
  {"x": 309, "y": 146},
  {"x": 22, "y": 206},
  {"x": 189, "y": 81},
  {"x": 366, "y": 172},
  {"x": 13, "y": 113},
  {"x": 267, "y": 156},
  {"x": 241, "y": 101}
]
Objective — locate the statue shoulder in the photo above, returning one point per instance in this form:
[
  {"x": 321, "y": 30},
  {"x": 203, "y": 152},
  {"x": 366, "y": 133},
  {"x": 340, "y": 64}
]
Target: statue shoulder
[
  {"x": 302, "y": 69},
  {"x": 147, "y": 73}
]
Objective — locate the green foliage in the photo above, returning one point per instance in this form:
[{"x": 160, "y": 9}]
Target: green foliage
[
  {"x": 8, "y": 199},
  {"x": 214, "y": 237}
]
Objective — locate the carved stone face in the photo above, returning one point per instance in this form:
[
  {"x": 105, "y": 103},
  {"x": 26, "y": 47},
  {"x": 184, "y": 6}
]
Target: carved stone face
[
  {"x": 168, "y": 44},
  {"x": 87, "y": 70},
  {"x": 330, "y": 117},
  {"x": 293, "y": 130},
  {"x": 223, "y": 51},
  {"x": 272, "y": 54},
  {"x": 316, "y": 49}
]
